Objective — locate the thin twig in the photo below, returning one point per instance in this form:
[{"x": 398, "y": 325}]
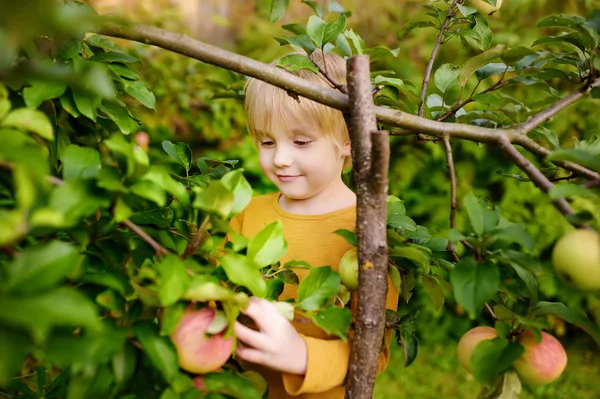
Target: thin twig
[
  {"x": 194, "y": 244},
  {"x": 490, "y": 311},
  {"x": 592, "y": 184},
  {"x": 454, "y": 110},
  {"x": 535, "y": 175},
  {"x": 434, "y": 52},
  {"x": 570, "y": 177},
  {"x": 452, "y": 171},
  {"x": 159, "y": 249}
]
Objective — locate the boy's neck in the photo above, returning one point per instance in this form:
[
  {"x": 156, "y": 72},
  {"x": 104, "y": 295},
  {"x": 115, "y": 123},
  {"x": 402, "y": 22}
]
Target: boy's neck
[{"x": 335, "y": 197}]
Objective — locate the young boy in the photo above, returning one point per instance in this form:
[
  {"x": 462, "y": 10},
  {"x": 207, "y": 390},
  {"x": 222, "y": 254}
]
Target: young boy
[{"x": 303, "y": 147}]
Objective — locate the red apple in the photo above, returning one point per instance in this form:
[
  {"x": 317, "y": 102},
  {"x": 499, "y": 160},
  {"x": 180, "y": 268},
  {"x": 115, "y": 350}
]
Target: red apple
[
  {"x": 469, "y": 342},
  {"x": 542, "y": 362},
  {"x": 197, "y": 352},
  {"x": 143, "y": 140}
]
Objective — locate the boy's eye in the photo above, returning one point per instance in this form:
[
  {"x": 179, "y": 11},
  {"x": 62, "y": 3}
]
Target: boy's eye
[
  {"x": 301, "y": 143},
  {"x": 266, "y": 143}
]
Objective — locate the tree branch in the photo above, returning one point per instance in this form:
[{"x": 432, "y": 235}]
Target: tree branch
[
  {"x": 194, "y": 244},
  {"x": 370, "y": 167},
  {"x": 535, "y": 175},
  {"x": 555, "y": 108},
  {"x": 434, "y": 52},
  {"x": 450, "y": 165},
  {"x": 159, "y": 249}
]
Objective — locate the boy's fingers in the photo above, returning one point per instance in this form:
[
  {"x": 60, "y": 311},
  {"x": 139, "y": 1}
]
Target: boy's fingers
[
  {"x": 256, "y": 312},
  {"x": 248, "y": 336},
  {"x": 250, "y": 355}
]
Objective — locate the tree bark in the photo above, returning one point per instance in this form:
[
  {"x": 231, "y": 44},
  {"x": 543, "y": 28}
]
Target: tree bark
[{"x": 370, "y": 154}]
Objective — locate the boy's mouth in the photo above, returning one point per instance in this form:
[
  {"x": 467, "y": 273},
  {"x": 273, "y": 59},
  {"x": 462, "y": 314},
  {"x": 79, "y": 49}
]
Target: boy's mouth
[{"x": 287, "y": 178}]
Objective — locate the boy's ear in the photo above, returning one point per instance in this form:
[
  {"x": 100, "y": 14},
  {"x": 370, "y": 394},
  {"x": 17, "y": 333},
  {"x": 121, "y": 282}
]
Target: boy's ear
[{"x": 346, "y": 149}]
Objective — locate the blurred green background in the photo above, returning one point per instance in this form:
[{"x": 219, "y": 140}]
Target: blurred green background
[{"x": 202, "y": 106}]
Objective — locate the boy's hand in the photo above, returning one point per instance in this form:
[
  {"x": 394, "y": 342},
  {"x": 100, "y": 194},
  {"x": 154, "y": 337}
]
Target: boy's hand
[{"x": 277, "y": 344}]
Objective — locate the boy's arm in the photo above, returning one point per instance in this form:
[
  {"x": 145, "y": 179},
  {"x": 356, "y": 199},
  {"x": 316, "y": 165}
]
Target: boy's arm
[{"x": 328, "y": 361}]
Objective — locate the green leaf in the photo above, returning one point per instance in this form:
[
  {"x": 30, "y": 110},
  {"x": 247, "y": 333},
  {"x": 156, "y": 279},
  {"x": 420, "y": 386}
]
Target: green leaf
[
  {"x": 87, "y": 103},
  {"x": 112, "y": 279},
  {"x": 161, "y": 178},
  {"x": 315, "y": 29},
  {"x": 357, "y": 41},
  {"x": 416, "y": 255},
  {"x": 145, "y": 189},
  {"x": 466, "y": 11},
  {"x": 493, "y": 357},
  {"x": 347, "y": 235},
  {"x": 548, "y": 135},
  {"x": 334, "y": 28},
  {"x": 379, "y": 53},
  {"x": 296, "y": 264},
  {"x": 14, "y": 347},
  {"x": 42, "y": 90},
  {"x": 570, "y": 316},
  {"x": 434, "y": 290},
  {"x": 571, "y": 21},
  {"x": 474, "y": 284},
  {"x": 530, "y": 282},
  {"x": 445, "y": 77},
  {"x": 140, "y": 91},
  {"x": 514, "y": 233},
  {"x": 515, "y": 54},
  {"x": 321, "y": 285},
  {"x": 114, "y": 56},
  {"x": 278, "y": 9},
  {"x": 62, "y": 307},
  {"x": 302, "y": 42},
  {"x": 180, "y": 152},
  {"x": 243, "y": 271},
  {"x": 296, "y": 62},
  {"x": 159, "y": 350},
  {"x": 395, "y": 277},
  {"x": 268, "y": 246},
  {"x": 474, "y": 63},
  {"x": 40, "y": 267},
  {"x": 216, "y": 199},
  {"x": 170, "y": 318},
  {"x": 241, "y": 189},
  {"x": 77, "y": 199},
  {"x": 204, "y": 288},
  {"x": 334, "y": 321},
  {"x": 30, "y": 120},
  {"x": 232, "y": 385},
  {"x": 5, "y": 104},
  {"x": 491, "y": 70},
  {"x": 483, "y": 32},
  {"x": 582, "y": 157},
  {"x": 410, "y": 26},
  {"x": 394, "y": 82},
  {"x": 124, "y": 364},
  {"x": 120, "y": 115},
  {"x": 475, "y": 213},
  {"x": 160, "y": 217},
  {"x": 173, "y": 279},
  {"x": 569, "y": 190},
  {"x": 80, "y": 163}
]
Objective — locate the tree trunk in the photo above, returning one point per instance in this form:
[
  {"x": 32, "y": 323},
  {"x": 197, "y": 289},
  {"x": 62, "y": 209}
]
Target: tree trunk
[{"x": 370, "y": 157}]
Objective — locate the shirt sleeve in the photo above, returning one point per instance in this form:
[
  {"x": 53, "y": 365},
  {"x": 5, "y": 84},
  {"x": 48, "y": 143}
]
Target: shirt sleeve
[{"x": 328, "y": 360}]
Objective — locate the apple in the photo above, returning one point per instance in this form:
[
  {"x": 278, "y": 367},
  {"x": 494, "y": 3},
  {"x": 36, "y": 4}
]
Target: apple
[
  {"x": 197, "y": 352},
  {"x": 486, "y": 8},
  {"x": 143, "y": 140},
  {"x": 348, "y": 269},
  {"x": 576, "y": 258},
  {"x": 542, "y": 362},
  {"x": 469, "y": 342}
]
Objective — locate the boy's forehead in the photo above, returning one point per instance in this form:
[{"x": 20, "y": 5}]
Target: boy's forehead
[{"x": 294, "y": 128}]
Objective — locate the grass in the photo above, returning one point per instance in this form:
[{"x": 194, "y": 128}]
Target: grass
[{"x": 436, "y": 374}]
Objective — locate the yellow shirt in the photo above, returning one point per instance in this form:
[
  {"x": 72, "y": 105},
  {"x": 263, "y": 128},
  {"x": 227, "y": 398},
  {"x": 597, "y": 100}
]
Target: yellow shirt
[{"x": 310, "y": 238}]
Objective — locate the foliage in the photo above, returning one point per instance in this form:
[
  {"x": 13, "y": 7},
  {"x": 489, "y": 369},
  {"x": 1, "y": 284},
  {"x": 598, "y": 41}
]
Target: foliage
[{"x": 104, "y": 244}]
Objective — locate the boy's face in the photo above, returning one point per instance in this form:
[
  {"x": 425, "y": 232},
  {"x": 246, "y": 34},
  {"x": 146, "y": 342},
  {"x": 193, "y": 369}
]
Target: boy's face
[{"x": 300, "y": 161}]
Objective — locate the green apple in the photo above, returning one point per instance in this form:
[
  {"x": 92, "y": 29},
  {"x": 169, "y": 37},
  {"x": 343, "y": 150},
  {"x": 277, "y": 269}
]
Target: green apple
[
  {"x": 196, "y": 351},
  {"x": 348, "y": 269},
  {"x": 484, "y": 7},
  {"x": 542, "y": 362},
  {"x": 469, "y": 342},
  {"x": 576, "y": 258}
]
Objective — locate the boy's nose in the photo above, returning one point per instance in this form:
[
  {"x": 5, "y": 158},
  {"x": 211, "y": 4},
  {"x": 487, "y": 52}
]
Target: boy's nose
[{"x": 282, "y": 158}]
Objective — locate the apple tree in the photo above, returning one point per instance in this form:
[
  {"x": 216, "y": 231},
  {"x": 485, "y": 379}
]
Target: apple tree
[{"x": 117, "y": 258}]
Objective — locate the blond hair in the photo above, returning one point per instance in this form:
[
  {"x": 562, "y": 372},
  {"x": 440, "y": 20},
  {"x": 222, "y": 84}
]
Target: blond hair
[{"x": 265, "y": 104}]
